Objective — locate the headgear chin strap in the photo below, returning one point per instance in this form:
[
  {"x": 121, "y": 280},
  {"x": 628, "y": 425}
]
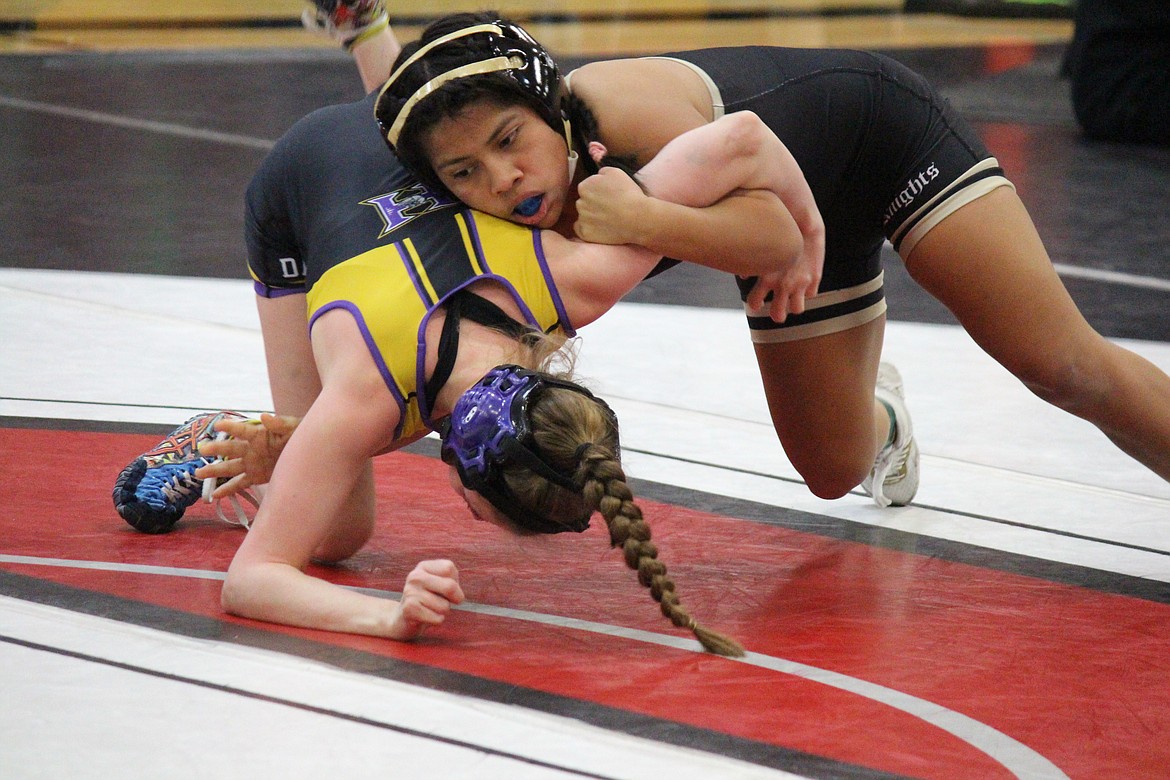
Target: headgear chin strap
[
  {"x": 491, "y": 427},
  {"x": 514, "y": 53}
]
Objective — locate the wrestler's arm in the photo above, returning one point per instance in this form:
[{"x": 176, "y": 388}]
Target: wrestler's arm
[
  {"x": 591, "y": 278},
  {"x": 761, "y": 160},
  {"x": 644, "y": 104},
  {"x": 735, "y": 152},
  {"x": 374, "y": 57},
  {"x": 292, "y": 372},
  {"x": 707, "y": 194},
  {"x": 303, "y": 507},
  {"x": 247, "y": 458},
  {"x": 704, "y": 169}
]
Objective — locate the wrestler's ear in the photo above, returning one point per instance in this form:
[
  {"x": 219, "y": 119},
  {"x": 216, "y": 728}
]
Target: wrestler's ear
[{"x": 597, "y": 151}]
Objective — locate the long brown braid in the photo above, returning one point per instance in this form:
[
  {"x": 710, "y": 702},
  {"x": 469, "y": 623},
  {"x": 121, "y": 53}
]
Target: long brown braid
[
  {"x": 605, "y": 489},
  {"x": 577, "y": 436}
]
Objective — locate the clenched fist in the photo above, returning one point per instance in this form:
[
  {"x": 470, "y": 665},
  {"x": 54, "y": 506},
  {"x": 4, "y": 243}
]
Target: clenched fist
[
  {"x": 431, "y": 589},
  {"x": 608, "y": 208}
]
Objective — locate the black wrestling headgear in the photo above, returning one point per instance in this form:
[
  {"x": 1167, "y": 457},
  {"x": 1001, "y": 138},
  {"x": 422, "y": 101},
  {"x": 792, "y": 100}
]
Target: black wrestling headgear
[{"x": 513, "y": 53}]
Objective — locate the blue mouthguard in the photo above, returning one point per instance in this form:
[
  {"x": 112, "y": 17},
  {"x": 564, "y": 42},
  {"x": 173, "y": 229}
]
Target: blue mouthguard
[{"x": 528, "y": 206}]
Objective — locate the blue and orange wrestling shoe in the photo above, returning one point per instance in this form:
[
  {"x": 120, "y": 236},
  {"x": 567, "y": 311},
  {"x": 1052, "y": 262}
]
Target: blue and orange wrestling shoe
[{"x": 152, "y": 493}]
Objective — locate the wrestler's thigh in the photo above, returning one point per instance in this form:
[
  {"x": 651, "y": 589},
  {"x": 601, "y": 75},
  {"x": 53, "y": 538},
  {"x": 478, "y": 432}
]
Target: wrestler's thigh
[
  {"x": 292, "y": 371},
  {"x": 987, "y": 264},
  {"x": 820, "y": 394}
]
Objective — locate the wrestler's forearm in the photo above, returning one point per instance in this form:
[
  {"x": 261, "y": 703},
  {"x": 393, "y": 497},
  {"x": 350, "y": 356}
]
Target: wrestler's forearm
[
  {"x": 736, "y": 152},
  {"x": 279, "y": 593},
  {"x": 748, "y": 234},
  {"x": 375, "y": 57}
]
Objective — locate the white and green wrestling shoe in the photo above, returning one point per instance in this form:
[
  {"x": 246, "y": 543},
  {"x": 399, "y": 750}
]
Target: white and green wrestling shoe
[{"x": 894, "y": 479}]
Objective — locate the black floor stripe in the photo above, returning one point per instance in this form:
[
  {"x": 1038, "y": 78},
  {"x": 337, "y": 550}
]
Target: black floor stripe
[
  {"x": 939, "y": 509},
  {"x": 298, "y": 706},
  {"x": 611, "y": 718},
  {"x": 85, "y": 426}
]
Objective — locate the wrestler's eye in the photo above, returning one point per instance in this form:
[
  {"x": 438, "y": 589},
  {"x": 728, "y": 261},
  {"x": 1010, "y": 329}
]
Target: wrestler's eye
[
  {"x": 461, "y": 174},
  {"x": 509, "y": 138}
]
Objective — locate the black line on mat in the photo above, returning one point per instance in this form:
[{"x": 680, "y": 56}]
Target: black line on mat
[
  {"x": 603, "y": 716},
  {"x": 332, "y": 713}
]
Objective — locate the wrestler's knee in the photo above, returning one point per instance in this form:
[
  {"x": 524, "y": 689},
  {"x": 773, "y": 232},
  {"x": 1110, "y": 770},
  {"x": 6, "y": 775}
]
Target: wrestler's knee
[
  {"x": 834, "y": 471},
  {"x": 1074, "y": 377}
]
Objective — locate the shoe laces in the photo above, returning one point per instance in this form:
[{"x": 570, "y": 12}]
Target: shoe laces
[
  {"x": 179, "y": 487},
  {"x": 890, "y": 468},
  {"x": 241, "y": 517},
  {"x": 895, "y": 467}
]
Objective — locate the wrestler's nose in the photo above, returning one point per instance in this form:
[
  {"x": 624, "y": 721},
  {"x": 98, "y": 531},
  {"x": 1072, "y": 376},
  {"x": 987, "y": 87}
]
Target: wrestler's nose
[{"x": 503, "y": 175}]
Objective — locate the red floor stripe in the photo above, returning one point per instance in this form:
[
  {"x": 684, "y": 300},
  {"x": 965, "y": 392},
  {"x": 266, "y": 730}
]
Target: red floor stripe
[{"x": 1077, "y": 675}]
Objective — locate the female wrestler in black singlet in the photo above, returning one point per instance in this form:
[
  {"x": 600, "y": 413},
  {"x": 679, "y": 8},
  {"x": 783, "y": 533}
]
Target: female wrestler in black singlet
[{"x": 885, "y": 157}]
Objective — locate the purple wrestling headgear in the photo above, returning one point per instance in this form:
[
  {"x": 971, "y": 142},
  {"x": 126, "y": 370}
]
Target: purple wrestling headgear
[{"x": 490, "y": 427}]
